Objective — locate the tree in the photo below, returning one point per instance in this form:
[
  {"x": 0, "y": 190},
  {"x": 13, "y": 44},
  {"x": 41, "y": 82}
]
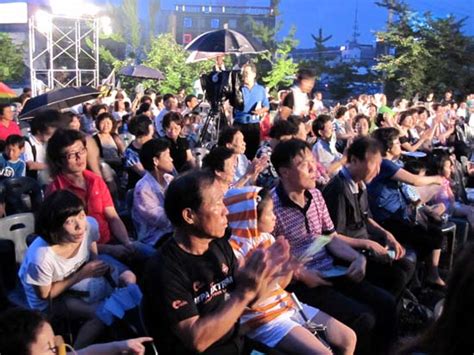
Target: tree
[
  {"x": 319, "y": 44},
  {"x": 283, "y": 67},
  {"x": 427, "y": 53},
  {"x": 169, "y": 57},
  {"x": 11, "y": 60}
]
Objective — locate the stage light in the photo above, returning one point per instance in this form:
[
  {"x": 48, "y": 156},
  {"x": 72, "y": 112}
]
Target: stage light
[
  {"x": 73, "y": 8},
  {"x": 106, "y": 25},
  {"x": 43, "y": 22}
]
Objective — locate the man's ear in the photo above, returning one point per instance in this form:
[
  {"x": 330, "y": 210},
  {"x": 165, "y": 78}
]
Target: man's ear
[
  {"x": 156, "y": 161},
  {"x": 219, "y": 173},
  {"x": 188, "y": 216}
]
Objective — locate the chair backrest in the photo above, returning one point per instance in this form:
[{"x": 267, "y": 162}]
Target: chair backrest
[
  {"x": 16, "y": 228},
  {"x": 22, "y": 194}
]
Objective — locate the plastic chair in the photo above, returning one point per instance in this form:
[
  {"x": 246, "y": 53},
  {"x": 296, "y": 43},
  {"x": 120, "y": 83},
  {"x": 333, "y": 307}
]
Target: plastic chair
[
  {"x": 22, "y": 194},
  {"x": 16, "y": 228}
]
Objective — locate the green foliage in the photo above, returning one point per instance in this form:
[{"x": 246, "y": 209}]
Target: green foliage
[
  {"x": 430, "y": 54},
  {"x": 11, "y": 60},
  {"x": 283, "y": 68},
  {"x": 169, "y": 57}
]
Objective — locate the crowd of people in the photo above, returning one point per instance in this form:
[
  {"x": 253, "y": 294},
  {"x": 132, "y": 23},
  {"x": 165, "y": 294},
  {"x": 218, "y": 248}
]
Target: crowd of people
[{"x": 299, "y": 235}]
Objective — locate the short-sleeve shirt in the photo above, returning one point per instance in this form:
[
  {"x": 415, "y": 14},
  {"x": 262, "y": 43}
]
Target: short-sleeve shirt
[
  {"x": 385, "y": 198},
  {"x": 10, "y": 169},
  {"x": 42, "y": 266},
  {"x": 12, "y": 128},
  {"x": 302, "y": 225},
  {"x": 96, "y": 198},
  {"x": 325, "y": 152},
  {"x": 35, "y": 151},
  {"x": 178, "y": 152},
  {"x": 180, "y": 285}
]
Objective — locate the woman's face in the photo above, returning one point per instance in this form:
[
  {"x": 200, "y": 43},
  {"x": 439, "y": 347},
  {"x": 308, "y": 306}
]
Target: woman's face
[
  {"x": 266, "y": 221},
  {"x": 227, "y": 176},
  {"x": 362, "y": 127},
  {"x": 75, "y": 124},
  {"x": 407, "y": 122},
  {"x": 447, "y": 169},
  {"x": 106, "y": 125},
  {"x": 238, "y": 143},
  {"x": 396, "y": 149},
  {"x": 44, "y": 343},
  {"x": 75, "y": 228},
  {"x": 173, "y": 131}
]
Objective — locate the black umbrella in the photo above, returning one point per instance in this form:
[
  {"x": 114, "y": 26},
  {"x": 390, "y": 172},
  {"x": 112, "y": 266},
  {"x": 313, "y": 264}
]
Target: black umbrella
[
  {"x": 59, "y": 99},
  {"x": 142, "y": 72},
  {"x": 223, "y": 41}
]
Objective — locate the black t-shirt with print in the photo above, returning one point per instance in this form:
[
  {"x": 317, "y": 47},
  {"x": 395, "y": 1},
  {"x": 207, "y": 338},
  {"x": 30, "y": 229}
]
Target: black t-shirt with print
[{"x": 180, "y": 285}]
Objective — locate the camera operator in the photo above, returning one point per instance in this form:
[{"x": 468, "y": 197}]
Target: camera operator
[{"x": 255, "y": 105}]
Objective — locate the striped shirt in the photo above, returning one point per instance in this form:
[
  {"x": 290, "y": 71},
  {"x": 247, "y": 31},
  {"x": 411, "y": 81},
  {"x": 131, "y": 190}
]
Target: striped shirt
[
  {"x": 242, "y": 206},
  {"x": 301, "y": 225}
]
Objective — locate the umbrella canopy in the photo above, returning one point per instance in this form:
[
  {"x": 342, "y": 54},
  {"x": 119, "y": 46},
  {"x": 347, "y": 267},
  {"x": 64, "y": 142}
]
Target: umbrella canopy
[
  {"x": 59, "y": 99},
  {"x": 223, "y": 41},
  {"x": 197, "y": 56},
  {"x": 6, "y": 92},
  {"x": 142, "y": 72}
]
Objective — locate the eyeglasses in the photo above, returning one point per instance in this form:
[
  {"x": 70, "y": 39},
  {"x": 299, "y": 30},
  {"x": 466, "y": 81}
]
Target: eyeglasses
[{"x": 76, "y": 155}]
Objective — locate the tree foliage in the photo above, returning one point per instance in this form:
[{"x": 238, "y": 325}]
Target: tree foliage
[
  {"x": 11, "y": 60},
  {"x": 428, "y": 53},
  {"x": 170, "y": 57}
]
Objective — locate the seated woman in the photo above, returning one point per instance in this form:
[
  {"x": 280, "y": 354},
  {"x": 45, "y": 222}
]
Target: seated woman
[
  {"x": 142, "y": 128},
  {"x": 246, "y": 172},
  {"x": 390, "y": 209},
  {"x": 27, "y": 332},
  {"x": 275, "y": 320},
  {"x": 408, "y": 140},
  {"x": 111, "y": 146},
  {"x": 179, "y": 147},
  {"x": 62, "y": 257},
  {"x": 151, "y": 223},
  {"x": 446, "y": 196}
]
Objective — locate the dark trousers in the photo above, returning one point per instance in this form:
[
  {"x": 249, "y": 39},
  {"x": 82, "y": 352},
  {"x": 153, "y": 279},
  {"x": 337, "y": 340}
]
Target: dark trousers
[
  {"x": 421, "y": 240},
  {"x": 392, "y": 277},
  {"x": 251, "y": 133},
  {"x": 369, "y": 310}
]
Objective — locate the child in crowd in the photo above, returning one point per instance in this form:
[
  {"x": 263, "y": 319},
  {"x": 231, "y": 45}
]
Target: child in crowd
[
  {"x": 446, "y": 196},
  {"x": 11, "y": 162},
  {"x": 274, "y": 320}
]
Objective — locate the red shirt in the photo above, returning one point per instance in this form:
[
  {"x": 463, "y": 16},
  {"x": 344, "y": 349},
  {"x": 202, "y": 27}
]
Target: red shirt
[
  {"x": 12, "y": 128},
  {"x": 96, "y": 198}
]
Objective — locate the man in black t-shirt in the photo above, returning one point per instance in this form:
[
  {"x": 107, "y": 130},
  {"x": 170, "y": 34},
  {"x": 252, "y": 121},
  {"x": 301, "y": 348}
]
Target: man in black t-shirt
[{"x": 194, "y": 290}]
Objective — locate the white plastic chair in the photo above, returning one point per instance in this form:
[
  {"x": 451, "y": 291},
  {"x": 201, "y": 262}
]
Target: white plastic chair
[{"x": 16, "y": 228}]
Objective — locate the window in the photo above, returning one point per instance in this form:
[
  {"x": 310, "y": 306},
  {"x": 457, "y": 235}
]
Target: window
[
  {"x": 232, "y": 23},
  {"x": 215, "y": 23},
  {"x": 187, "y": 22}
]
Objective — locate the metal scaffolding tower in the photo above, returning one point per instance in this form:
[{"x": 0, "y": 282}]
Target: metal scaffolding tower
[{"x": 64, "y": 51}]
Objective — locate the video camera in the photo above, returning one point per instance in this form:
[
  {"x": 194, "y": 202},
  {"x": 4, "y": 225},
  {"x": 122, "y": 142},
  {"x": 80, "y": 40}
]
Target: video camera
[{"x": 222, "y": 85}]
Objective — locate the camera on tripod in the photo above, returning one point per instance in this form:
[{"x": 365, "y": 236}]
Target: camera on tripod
[{"x": 220, "y": 86}]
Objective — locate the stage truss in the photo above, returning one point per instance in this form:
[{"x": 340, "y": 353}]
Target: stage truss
[{"x": 63, "y": 51}]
